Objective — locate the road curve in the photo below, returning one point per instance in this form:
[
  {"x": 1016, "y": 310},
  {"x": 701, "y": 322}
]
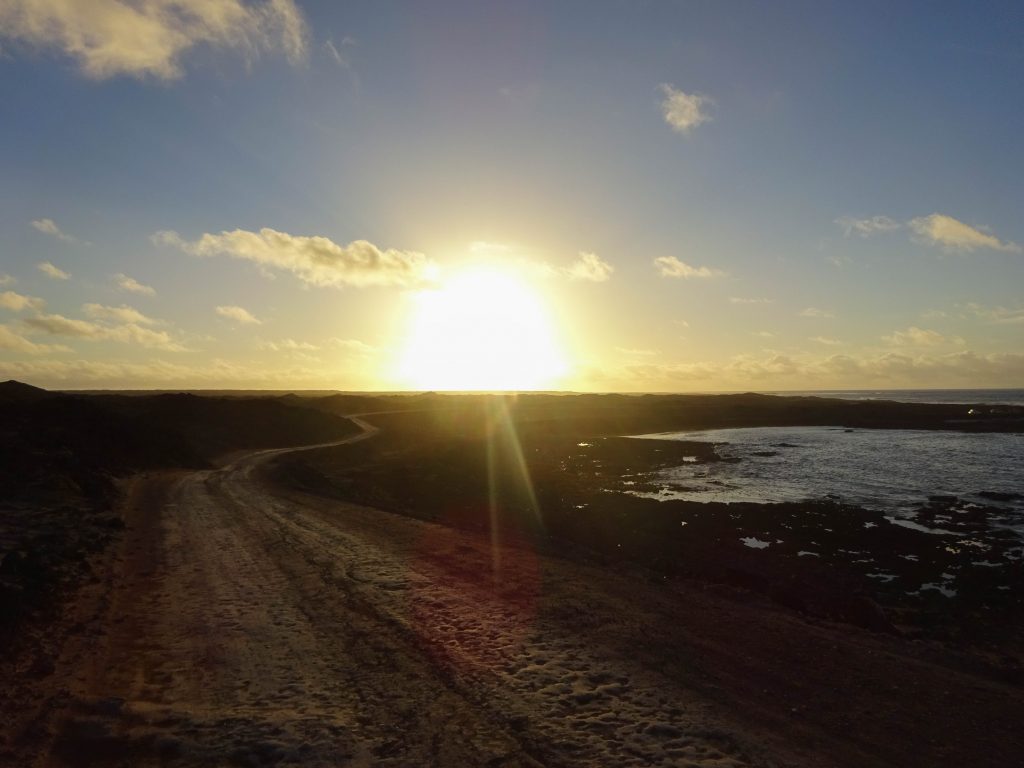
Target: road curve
[{"x": 249, "y": 625}]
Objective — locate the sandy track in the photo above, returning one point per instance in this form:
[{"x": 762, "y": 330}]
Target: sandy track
[{"x": 250, "y": 627}]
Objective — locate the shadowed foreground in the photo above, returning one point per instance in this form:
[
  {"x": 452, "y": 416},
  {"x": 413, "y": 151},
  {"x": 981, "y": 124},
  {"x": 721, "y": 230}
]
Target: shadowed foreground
[
  {"x": 245, "y": 624},
  {"x": 250, "y": 629}
]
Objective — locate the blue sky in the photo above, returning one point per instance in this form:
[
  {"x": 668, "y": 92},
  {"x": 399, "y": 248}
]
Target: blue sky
[{"x": 768, "y": 196}]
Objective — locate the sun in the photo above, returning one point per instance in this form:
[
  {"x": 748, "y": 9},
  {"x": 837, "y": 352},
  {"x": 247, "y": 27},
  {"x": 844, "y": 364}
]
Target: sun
[{"x": 482, "y": 329}]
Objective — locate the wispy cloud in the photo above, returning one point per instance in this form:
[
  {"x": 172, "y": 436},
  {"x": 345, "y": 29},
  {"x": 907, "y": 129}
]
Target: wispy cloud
[
  {"x": 122, "y": 314},
  {"x": 815, "y": 312},
  {"x": 49, "y": 227},
  {"x": 51, "y": 271},
  {"x": 920, "y": 337},
  {"x": 239, "y": 315},
  {"x": 999, "y": 315},
  {"x": 17, "y": 302},
  {"x": 132, "y": 285},
  {"x": 954, "y": 235},
  {"x": 936, "y": 229},
  {"x": 338, "y": 54},
  {"x": 826, "y": 340},
  {"x": 867, "y": 227},
  {"x": 127, "y": 333},
  {"x": 352, "y": 346},
  {"x": 107, "y": 38},
  {"x": 684, "y": 111},
  {"x": 591, "y": 267},
  {"x": 742, "y": 300},
  {"x": 315, "y": 260},
  {"x": 6, "y": 279},
  {"x": 670, "y": 266},
  {"x": 15, "y": 342},
  {"x": 287, "y": 345}
]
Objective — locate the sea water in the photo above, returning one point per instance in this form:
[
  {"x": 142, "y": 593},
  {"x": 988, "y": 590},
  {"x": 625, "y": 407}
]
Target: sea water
[
  {"x": 895, "y": 471},
  {"x": 965, "y": 396}
]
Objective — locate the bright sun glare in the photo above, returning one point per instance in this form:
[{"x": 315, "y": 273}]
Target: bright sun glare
[{"x": 482, "y": 329}]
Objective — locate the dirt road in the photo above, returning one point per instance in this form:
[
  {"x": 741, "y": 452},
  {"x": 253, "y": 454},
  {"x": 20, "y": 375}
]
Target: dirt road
[
  {"x": 245, "y": 625},
  {"x": 250, "y": 628}
]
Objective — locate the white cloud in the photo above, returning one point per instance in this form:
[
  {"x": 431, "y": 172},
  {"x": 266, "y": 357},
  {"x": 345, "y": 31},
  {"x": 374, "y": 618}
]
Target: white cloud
[
  {"x": 287, "y": 345},
  {"x": 239, "y": 315},
  {"x": 49, "y": 227},
  {"x": 936, "y": 229},
  {"x": 919, "y": 337},
  {"x": 107, "y": 38},
  {"x": 589, "y": 266},
  {"x": 670, "y": 266},
  {"x": 741, "y": 300},
  {"x": 684, "y": 111},
  {"x": 127, "y": 333},
  {"x": 826, "y": 340},
  {"x": 14, "y": 342},
  {"x": 951, "y": 234},
  {"x": 51, "y": 271},
  {"x": 999, "y": 314},
  {"x": 132, "y": 285},
  {"x": 315, "y": 260},
  {"x": 6, "y": 279},
  {"x": 867, "y": 227},
  {"x": 122, "y": 314},
  {"x": 337, "y": 54},
  {"x": 16, "y": 302},
  {"x": 815, "y": 312},
  {"x": 352, "y": 346},
  {"x": 58, "y": 325}
]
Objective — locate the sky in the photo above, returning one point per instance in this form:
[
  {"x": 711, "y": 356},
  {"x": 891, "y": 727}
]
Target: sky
[{"x": 600, "y": 195}]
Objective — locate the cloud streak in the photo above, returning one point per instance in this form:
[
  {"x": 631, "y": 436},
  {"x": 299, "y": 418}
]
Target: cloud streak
[
  {"x": 49, "y": 227},
  {"x": 815, "y": 312},
  {"x": 866, "y": 227},
  {"x": 314, "y": 260},
  {"x": 130, "y": 284},
  {"x": 590, "y": 267},
  {"x": 127, "y": 333},
  {"x": 670, "y": 266},
  {"x": 55, "y": 273},
  {"x": 107, "y": 38},
  {"x": 15, "y": 342},
  {"x": 919, "y": 337},
  {"x": 936, "y": 229},
  {"x": 953, "y": 235},
  {"x": 240, "y": 315},
  {"x": 122, "y": 314},
  {"x": 17, "y": 302}
]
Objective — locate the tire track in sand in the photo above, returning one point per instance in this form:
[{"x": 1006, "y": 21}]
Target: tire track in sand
[{"x": 252, "y": 627}]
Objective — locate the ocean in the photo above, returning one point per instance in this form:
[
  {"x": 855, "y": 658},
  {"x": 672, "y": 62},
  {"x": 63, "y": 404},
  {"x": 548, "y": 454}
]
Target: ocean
[{"x": 966, "y": 396}]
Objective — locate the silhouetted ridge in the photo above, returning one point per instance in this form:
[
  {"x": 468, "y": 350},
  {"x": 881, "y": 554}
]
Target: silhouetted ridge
[{"x": 12, "y": 391}]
